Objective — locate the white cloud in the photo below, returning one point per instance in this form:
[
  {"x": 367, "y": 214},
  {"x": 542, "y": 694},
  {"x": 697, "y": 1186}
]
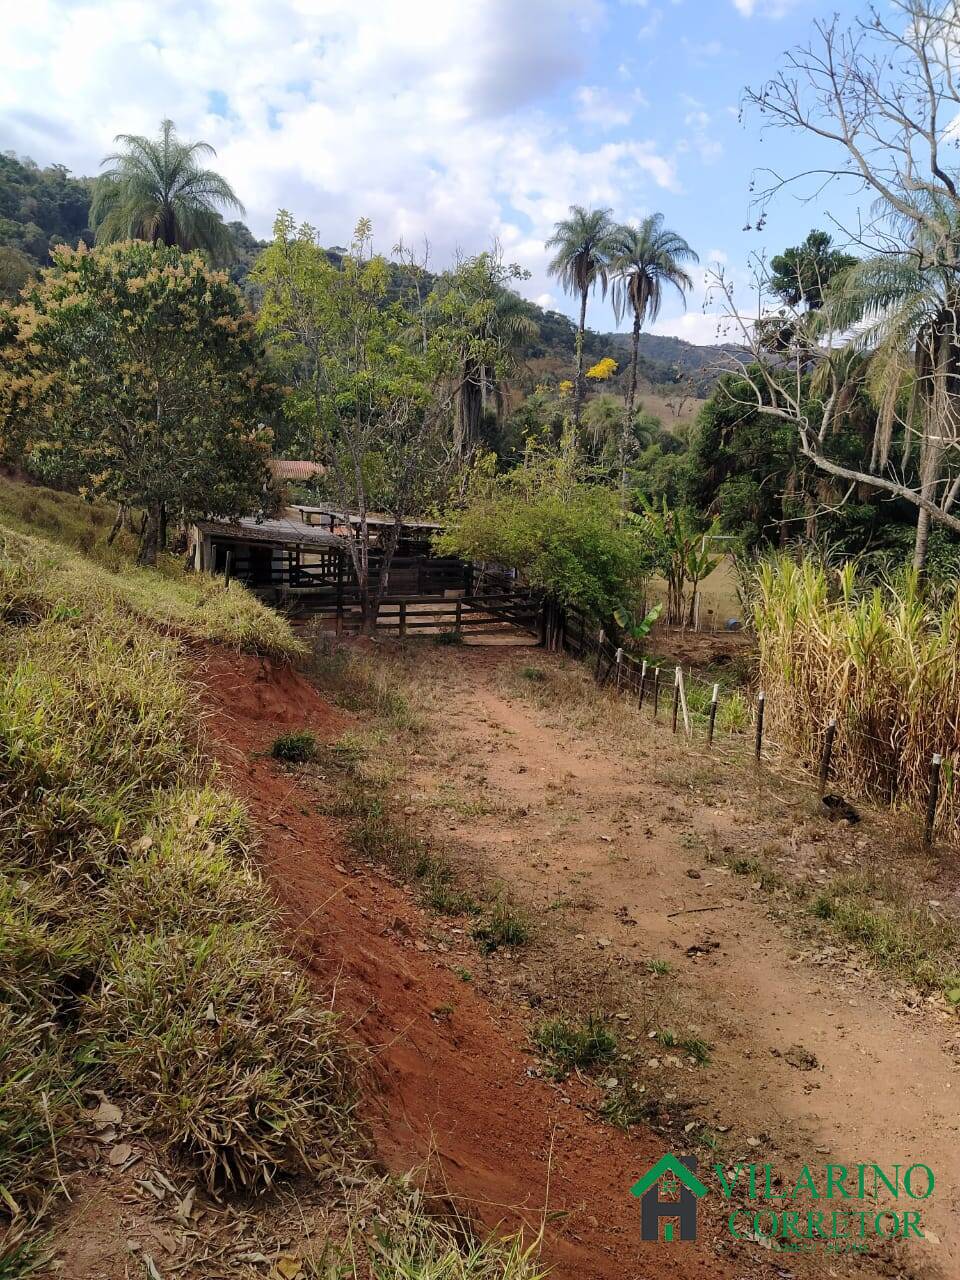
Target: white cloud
[
  {"x": 765, "y": 8},
  {"x": 597, "y": 106},
  {"x": 430, "y": 118}
]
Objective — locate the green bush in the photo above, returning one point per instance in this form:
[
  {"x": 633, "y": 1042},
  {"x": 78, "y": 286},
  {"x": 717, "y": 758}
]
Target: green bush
[{"x": 295, "y": 748}]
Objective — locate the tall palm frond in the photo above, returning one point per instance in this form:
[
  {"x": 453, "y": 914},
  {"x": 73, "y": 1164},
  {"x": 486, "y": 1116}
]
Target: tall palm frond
[
  {"x": 644, "y": 262},
  {"x": 158, "y": 190},
  {"x": 583, "y": 243}
]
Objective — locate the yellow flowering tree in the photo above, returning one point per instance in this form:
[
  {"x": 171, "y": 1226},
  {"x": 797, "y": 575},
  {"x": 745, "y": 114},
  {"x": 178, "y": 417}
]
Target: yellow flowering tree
[
  {"x": 134, "y": 372},
  {"x": 603, "y": 370}
]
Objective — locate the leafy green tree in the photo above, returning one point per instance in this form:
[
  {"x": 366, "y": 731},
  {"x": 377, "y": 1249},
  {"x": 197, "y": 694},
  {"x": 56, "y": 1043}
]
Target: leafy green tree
[
  {"x": 494, "y": 326},
  {"x": 801, "y": 275},
  {"x": 582, "y": 244},
  {"x": 157, "y": 190},
  {"x": 15, "y": 270},
  {"x": 644, "y": 261},
  {"x": 134, "y": 371},
  {"x": 372, "y": 382},
  {"x": 559, "y": 530},
  {"x": 681, "y": 550}
]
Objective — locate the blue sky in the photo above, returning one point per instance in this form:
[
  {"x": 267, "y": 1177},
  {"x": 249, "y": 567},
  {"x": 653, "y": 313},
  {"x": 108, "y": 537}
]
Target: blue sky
[{"x": 455, "y": 122}]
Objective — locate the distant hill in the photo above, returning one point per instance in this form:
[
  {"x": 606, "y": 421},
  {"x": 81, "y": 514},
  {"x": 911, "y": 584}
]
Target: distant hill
[{"x": 43, "y": 207}]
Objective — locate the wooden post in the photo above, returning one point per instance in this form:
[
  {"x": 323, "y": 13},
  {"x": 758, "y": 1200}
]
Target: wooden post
[
  {"x": 826, "y": 754},
  {"x": 656, "y": 692},
  {"x": 618, "y": 659},
  {"x": 227, "y": 566},
  {"x": 459, "y": 622},
  {"x": 932, "y": 800},
  {"x": 713, "y": 713},
  {"x": 402, "y": 625},
  {"x": 761, "y": 702},
  {"x": 676, "y": 697},
  {"x": 643, "y": 681},
  {"x": 599, "y": 653},
  {"x": 683, "y": 701}
]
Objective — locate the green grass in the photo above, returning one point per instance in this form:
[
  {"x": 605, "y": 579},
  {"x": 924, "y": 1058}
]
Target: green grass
[
  {"x": 574, "y": 1045},
  {"x": 659, "y": 968},
  {"x": 897, "y": 935},
  {"x": 693, "y": 1046},
  {"x": 505, "y": 925},
  {"x": 192, "y": 604},
  {"x": 448, "y": 638},
  {"x": 139, "y": 954},
  {"x": 295, "y": 748},
  {"x": 628, "y": 1105}
]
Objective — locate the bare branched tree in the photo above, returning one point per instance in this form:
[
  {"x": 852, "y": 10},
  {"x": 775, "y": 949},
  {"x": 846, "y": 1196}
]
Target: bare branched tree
[{"x": 884, "y": 98}]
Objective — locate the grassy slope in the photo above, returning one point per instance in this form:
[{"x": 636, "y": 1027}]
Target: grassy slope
[{"x": 129, "y": 908}]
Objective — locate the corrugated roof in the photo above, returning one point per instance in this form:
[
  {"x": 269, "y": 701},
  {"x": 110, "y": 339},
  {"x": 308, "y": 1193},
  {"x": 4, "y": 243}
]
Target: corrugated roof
[
  {"x": 291, "y": 469},
  {"x": 288, "y": 532}
]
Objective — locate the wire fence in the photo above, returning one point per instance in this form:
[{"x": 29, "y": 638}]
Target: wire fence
[{"x": 735, "y": 723}]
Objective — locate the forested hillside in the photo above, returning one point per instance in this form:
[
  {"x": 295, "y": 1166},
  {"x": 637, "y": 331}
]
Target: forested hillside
[{"x": 43, "y": 207}]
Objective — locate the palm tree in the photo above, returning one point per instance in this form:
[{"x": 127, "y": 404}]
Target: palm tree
[
  {"x": 644, "y": 260},
  {"x": 902, "y": 310},
  {"x": 582, "y": 244},
  {"x": 157, "y": 190}
]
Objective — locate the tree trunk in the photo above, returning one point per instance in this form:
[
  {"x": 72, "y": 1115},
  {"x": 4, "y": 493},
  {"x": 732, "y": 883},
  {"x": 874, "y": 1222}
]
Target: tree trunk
[
  {"x": 920, "y": 543},
  {"x": 117, "y": 524},
  {"x": 628, "y": 416},
  {"x": 150, "y": 535},
  {"x": 579, "y": 387},
  {"x": 162, "y": 531}
]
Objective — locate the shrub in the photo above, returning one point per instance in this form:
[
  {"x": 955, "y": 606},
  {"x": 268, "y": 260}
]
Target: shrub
[{"x": 295, "y": 748}]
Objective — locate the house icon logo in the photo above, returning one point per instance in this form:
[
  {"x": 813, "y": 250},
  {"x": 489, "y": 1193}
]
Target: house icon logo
[{"x": 669, "y": 1190}]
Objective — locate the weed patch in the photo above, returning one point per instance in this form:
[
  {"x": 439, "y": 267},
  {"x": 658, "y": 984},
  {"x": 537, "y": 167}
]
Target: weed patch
[
  {"x": 295, "y": 748},
  {"x": 504, "y": 926},
  {"x": 574, "y": 1046}
]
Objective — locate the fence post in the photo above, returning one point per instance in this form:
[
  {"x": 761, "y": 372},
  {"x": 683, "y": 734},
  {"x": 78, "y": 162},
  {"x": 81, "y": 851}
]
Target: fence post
[
  {"x": 599, "y": 654},
  {"x": 227, "y": 566},
  {"x": 761, "y": 703},
  {"x": 459, "y": 621},
  {"x": 403, "y": 619},
  {"x": 676, "y": 697},
  {"x": 827, "y": 754},
  {"x": 682, "y": 688},
  {"x": 618, "y": 659},
  {"x": 643, "y": 681},
  {"x": 656, "y": 691},
  {"x": 932, "y": 799},
  {"x": 713, "y": 713}
]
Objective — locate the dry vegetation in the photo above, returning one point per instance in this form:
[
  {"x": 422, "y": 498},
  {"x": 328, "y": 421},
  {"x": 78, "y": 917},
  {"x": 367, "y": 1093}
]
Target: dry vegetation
[
  {"x": 140, "y": 959},
  {"x": 884, "y": 662}
]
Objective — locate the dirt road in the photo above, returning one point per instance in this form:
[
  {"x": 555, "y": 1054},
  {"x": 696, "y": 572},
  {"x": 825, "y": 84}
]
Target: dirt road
[{"x": 813, "y": 1058}]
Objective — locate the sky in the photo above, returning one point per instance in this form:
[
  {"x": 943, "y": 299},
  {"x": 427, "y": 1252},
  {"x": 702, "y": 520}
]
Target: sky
[{"x": 456, "y": 122}]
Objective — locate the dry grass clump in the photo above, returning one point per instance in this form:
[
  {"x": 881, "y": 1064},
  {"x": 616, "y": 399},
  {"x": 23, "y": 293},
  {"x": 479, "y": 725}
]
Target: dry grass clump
[
  {"x": 883, "y": 662},
  {"x": 390, "y": 1232},
  {"x": 227, "y": 1055}
]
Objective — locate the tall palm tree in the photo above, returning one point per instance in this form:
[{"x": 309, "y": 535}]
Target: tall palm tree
[
  {"x": 582, "y": 244},
  {"x": 903, "y": 314},
  {"x": 644, "y": 260},
  {"x": 156, "y": 189}
]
